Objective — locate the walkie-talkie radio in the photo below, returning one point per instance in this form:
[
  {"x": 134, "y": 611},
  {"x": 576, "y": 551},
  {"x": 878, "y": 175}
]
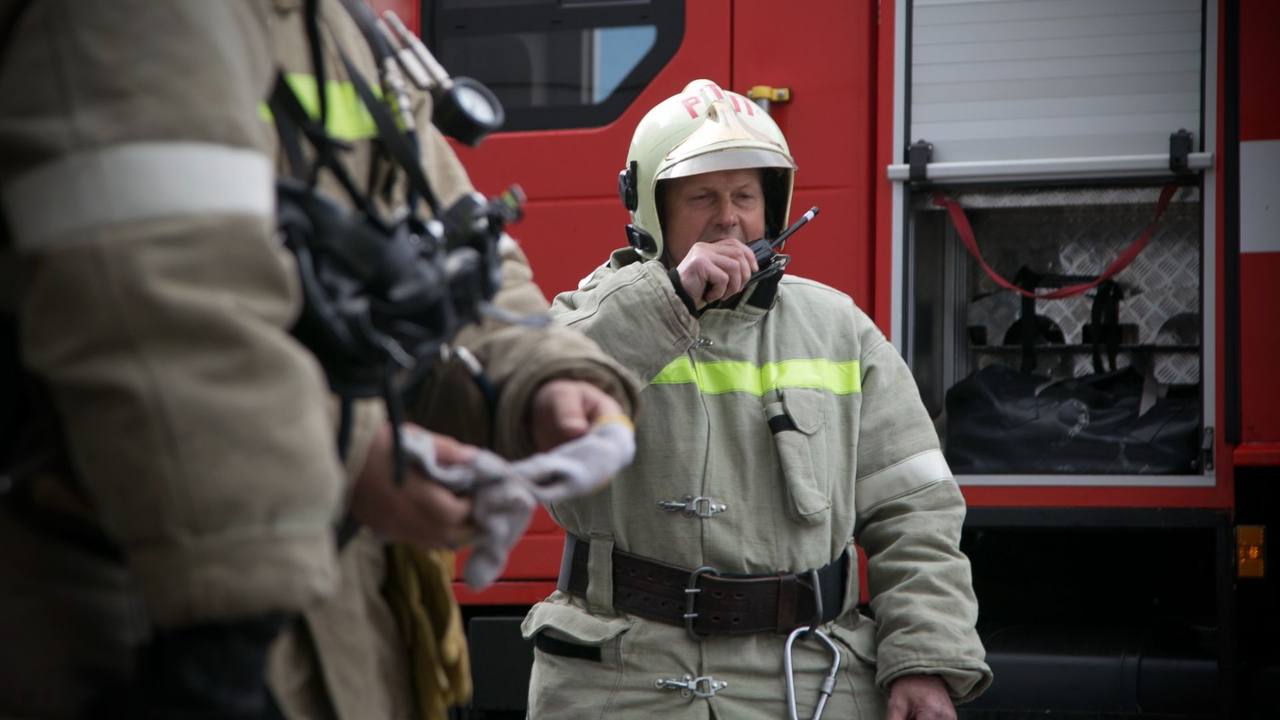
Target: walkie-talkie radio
[{"x": 770, "y": 262}]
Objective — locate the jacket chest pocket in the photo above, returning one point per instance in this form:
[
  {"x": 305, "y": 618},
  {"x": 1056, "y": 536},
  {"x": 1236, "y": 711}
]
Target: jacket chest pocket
[{"x": 796, "y": 423}]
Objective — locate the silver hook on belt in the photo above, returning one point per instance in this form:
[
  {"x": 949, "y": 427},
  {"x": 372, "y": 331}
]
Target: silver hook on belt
[{"x": 828, "y": 683}]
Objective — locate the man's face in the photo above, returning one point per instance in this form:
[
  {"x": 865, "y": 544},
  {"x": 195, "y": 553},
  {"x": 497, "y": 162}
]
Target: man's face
[{"x": 721, "y": 206}]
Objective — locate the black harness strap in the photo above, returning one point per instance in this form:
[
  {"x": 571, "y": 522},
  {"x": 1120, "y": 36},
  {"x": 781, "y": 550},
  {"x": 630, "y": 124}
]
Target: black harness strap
[
  {"x": 398, "y": 144},
  {"x": 291, "y": 119},
  {"x": 286, "y": 124},
  {"x": 311, "y": 14}
]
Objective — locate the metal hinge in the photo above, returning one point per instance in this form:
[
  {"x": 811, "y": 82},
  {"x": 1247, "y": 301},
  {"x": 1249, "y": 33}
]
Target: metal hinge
[{"x": 703, "y": 686}]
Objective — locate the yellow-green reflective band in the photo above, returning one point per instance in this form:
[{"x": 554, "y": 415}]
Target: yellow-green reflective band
[
  {"x": 726, "y": 376},
  {"x": 347, "y": 117}
]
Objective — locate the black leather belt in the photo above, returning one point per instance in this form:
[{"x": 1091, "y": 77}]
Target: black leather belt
[{"x": 707, "y": 602}]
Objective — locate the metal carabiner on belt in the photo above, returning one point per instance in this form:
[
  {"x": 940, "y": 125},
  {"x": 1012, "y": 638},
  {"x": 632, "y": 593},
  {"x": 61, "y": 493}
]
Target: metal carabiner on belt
[{"x": 828, "y": 683}]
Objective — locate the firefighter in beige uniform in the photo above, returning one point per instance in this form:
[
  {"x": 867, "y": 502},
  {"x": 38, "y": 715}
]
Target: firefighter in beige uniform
[
  {"x": 190, "y": 500},
  {"x": 349, "y": 656},
  {"x": 137, "y": 192},
  {"x": 776, "y": 422}
]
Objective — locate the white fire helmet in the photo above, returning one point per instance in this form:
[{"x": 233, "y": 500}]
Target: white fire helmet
[{"x": 702, "y": 129}]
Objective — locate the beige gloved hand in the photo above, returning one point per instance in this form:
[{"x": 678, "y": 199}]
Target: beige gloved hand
[{"x": 505, "y": 493}]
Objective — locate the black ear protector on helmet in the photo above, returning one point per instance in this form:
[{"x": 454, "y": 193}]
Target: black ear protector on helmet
[
  {"x": 627, "y": 183},
  {"x": 773, "y": 182},
  {"x": 629, "y": 191}
]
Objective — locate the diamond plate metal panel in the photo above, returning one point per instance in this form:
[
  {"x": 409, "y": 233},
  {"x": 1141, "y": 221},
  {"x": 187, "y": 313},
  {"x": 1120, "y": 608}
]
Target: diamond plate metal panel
[{"x": 1079, "y": 232}]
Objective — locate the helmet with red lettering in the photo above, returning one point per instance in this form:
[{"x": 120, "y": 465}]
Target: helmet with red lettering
[{"x": 702, "y": 129}]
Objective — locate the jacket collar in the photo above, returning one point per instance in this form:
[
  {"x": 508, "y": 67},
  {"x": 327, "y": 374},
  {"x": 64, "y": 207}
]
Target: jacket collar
[{"x": 623, "y": 257}]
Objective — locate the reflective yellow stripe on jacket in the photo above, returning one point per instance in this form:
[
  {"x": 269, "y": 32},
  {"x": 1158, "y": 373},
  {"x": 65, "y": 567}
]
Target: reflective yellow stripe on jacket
[
  {"x": 726, "y": 376},
  {"x": 348, "y": 119}
]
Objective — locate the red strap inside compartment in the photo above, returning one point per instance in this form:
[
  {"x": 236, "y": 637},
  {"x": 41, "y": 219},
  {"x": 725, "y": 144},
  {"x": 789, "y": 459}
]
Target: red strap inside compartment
[{"x": 1126, "y": 256}]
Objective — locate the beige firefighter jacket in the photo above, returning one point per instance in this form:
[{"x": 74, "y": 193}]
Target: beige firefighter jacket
[
  {"x": 862, "y": 463},
  {"x": 350, "y": 657},
  {"x": 137, "y": 189},
  {"x": 136, "y": 174},
  {"x": 136, "y": 183}
]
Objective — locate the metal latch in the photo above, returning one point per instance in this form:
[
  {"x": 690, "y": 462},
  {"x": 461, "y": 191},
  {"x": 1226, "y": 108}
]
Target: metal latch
[
  {"x": 694, "y": 506},
  {"x": 1179, "y": 151},
  {"x": 919, "y": 153},
  {"x": 1206, "y": 448},
  {"x": 703, "y": 686}
]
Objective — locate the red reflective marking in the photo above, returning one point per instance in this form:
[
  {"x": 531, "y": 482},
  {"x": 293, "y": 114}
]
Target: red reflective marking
[
  {"x": 715, "y": 90},
  {"x": 688, "y": 104}
]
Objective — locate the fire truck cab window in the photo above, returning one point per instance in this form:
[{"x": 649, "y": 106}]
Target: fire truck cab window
[{"x": 556, "y": 63}]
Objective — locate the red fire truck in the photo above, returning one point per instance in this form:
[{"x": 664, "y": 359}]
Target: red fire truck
[{"x": 1042, "y": 133}]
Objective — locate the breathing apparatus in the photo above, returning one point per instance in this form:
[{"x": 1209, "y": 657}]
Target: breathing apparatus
[{"x": 382, "y": 295}]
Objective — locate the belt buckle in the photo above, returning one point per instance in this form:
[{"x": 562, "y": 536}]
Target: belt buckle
[{"x": 691, "y": 591}]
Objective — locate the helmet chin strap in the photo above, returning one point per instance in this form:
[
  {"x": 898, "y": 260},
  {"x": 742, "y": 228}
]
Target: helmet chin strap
[{"x": 641, "y": 240}]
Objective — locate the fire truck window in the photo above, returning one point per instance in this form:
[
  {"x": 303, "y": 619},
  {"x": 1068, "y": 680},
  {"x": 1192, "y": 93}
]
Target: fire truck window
[
  {"x": 617, "y": 51},
  {"x": 556, "y": 63}
]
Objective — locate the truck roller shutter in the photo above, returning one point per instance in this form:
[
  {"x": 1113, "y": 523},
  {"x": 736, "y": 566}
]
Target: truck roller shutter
[{"x": 995, "y": 80}]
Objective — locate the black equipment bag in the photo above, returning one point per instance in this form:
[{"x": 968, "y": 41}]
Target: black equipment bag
[
  {"x": 12, "y": 394},
  {"x": 1001, "y": 420},
  {"x": 1006, "y": 421}
]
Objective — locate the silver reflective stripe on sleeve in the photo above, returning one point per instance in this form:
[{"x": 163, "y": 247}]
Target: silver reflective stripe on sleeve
[
  {"x": 55, "y": 203},
  {"x": 900, "y": 479}
]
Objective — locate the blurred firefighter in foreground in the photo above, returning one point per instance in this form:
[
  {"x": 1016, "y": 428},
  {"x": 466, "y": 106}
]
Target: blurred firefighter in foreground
[
  {"x": 718, "y": 576},
  {"x": 173, "y": 490}
]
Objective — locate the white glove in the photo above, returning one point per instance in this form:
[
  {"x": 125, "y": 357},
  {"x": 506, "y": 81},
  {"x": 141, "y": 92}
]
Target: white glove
[{"x": 506, "y": 492}]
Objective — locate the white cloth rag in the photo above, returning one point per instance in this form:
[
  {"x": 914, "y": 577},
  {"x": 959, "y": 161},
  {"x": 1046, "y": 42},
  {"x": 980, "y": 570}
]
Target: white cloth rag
[{"x": 504, "y": 493}]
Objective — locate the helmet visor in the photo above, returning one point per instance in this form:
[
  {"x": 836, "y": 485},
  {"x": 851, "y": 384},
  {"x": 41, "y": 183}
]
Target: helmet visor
[{"x": 733, "y": 159}]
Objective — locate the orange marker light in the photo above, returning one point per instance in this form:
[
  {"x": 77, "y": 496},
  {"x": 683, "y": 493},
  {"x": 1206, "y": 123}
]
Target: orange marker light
[{"x": 1251, "y": 551}]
